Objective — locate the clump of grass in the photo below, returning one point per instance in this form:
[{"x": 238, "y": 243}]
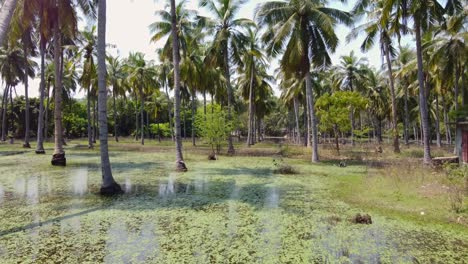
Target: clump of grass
[
  {"x": 455, "y": 179},
  {"x": 281, "y": 167}
]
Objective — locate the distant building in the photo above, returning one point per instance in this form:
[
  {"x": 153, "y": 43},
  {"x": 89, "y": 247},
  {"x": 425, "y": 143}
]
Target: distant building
[{"x": 461, "y": 141}]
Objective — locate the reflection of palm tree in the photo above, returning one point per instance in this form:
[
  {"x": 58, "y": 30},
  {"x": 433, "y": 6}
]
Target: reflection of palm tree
[
  {"x": 228, "y": 42},
  {"x": 304, "y": 30}
]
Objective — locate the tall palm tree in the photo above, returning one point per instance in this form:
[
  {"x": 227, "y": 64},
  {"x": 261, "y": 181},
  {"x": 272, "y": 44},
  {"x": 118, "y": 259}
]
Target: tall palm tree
[
  {"x": 424, "y": 15},
  {"x": 116, "y": 77},
  {"x": 89, "y": 73},
  {"x": 377, "y": 27},
  {"x": 228, "y": 42},
  {"x": 109, "y": 186},
  {"x": 303, "y": 30},
  {"x": 180, "y": 164},
  {"x": 6, "y": 13}
]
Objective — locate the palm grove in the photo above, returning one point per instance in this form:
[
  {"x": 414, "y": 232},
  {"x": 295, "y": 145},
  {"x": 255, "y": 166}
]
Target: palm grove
[{"x": 212, "y": 80}]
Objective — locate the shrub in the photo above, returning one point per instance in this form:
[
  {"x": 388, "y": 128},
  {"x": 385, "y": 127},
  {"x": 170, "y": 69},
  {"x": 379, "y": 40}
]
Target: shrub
[{"x": 281, "y": 167}]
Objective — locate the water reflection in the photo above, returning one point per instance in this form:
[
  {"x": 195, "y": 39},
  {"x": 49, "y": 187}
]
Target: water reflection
[
  {"x": 79, "y": 181},
  {"x": 20, "y": 187},
  {"x": 2, "y": 194},
  {"x": 166, "y": 189},
  {"x": 128, "y": 185},
  {"x": 32, "y": 192}
]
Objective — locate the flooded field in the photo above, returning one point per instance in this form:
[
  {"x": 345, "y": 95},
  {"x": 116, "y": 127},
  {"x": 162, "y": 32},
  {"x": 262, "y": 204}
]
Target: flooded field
[{"x": 234, "y": 210}]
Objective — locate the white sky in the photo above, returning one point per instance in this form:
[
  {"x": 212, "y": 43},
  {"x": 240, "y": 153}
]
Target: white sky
[{"x": 128, "y": 21}]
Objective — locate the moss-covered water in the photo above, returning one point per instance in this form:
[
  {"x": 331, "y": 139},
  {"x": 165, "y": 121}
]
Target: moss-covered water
[{"x": 234, "y": 210}]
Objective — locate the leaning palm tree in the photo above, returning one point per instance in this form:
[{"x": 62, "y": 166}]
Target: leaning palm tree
[
  {"x": 6, "y": 13},
  {"x": 180, "y": 164},
  {"x": 109, "y": 186},
  {"x": 228, "y": 42},
  {"x": 303, "y": 31}
]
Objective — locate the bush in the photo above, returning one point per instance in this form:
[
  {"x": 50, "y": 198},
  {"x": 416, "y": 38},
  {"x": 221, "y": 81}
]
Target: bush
[
  {"x": 456, "y": 177},
  {"x": 161, "y": 129},
  {"x": 281, "y": 167}
]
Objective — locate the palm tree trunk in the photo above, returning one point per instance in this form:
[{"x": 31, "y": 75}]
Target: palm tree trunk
[
  {"x": 40, "y": 122},
  {"x": 406, "y": 114},
  {"x": 6, "y": 13},
  {"x": 448, "y": 136},
  {"x": 296, "y": 115},
  {"x": 251, "y": 103},
  {"x": 4, "y": 112},
  {"x": 204, "y": 104},
  {"x": 180, "y": 164},
  {"x": 169, "y": 113},
  {"x": 194, "y": 109},
  {"x": 422, "y": 96},
  {"x": 95, "y": 113},
  {"x": 437, "y": 122},
  {"x": 142, "y": 117},
  {"x": 231, "y": 150},
  {"x": 26, "y": 98},
  {"x": 313, "y": 122},
  {"x": 46, "y": 112},
  {"x": 306, "y": 124},
  {"x": 109, "y": 186},
  {"x": 90, "y": 132},
  {"x": 136, "y": 119},
  {"x": 115, "y": 115},
  {"x": 457, "y": 90},
  {"x": 396, "y": 143},
  {"x": 58, "y": 158}
]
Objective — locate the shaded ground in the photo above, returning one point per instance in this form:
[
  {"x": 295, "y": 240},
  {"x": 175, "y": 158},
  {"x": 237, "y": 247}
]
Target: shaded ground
[{"x": 234, "y": 210}]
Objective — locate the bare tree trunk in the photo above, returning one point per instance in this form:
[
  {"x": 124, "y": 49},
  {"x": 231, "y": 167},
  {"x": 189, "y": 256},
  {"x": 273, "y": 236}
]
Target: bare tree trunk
[
  {"x": 180, "y": 164},
  {"x": 448, "y": 136},
  {"x": 422, "y": 96},
  {"x": 6, "y": 13},
  {"x": 313, "y": 122},
  {"x": 26, "y": 98},
  {"x": 142, "y": 105},
  {"x": 396, "y": 143},
  {"x": 4, "y": 112},
  {"x": 169, "y": 112},
  {"x": 227, "y": 76},
  {"x": 406, "y": 114},
  {"x": 58, "y": 158},
  {"x": 88, "y": 106},
  {"x": 437, "y": 122},
  {"x": 46, "y": 112},
  {"x": 40, "y": 122},
  {"x": 115, "y": 115},
  {"x": 109, "y": 186},
  {"x": 95, "y": 126},
  {"x": 296, "y": 115},
  {"x": 194, "y": 109},
  {"x": 251, "y": 109}
]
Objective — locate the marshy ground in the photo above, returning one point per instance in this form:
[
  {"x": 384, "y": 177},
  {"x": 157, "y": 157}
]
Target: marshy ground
[{"x": 233, "y": 210}]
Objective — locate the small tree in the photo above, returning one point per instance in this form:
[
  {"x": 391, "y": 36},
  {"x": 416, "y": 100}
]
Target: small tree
[
  {"x": 214, "y": 127},
  {"x": 334, "y": 111}
]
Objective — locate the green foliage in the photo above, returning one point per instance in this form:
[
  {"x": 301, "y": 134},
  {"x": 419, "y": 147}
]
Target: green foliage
[
  {"x": 161, "y": 129},
  {"x": 334, "y": 110},
  {"x": 215, "y": 127}
]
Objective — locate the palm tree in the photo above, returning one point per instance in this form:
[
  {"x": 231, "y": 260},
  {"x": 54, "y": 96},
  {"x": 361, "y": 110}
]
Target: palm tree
[
  {"x": 424, "y": 14},
  {"x": 304, "y": 30},
  {"x": 89, "y": 73},
  {"x": 12, "y": 69},
  {"x": 116, "y": 77},
  {"x": 6, "y": 13},
  {"x": 141, "y": 75},
  {"x": 377, "y": 27},
  {"x": 180, "y": 164},
  {"x": 109, "y": 186},
  {"x": 228, "y": 42}
]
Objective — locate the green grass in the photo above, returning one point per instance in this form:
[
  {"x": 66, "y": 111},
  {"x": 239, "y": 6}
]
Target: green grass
[{"x": 234, "y": 210}]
